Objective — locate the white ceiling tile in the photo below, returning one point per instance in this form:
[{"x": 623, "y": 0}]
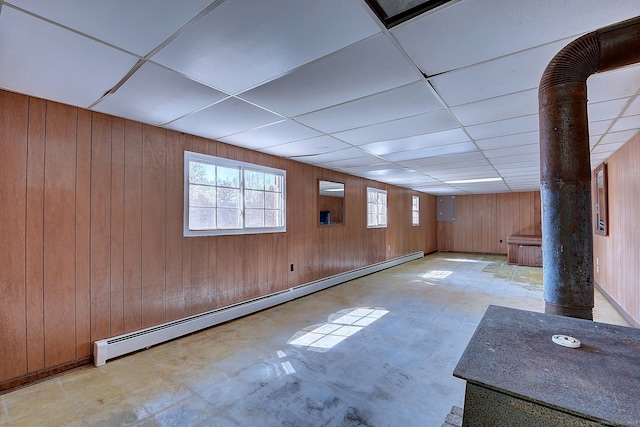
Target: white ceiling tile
[
  {"x": 475, "y": 174},
  {"x": 622, "y": 136},
  {"x": 224, "y": 118},
  {"x": 272, "y": 134},
  {"x": 606, "y": 110},
  {"x": 364, "y": 68},
  {"x": 307, "y": 149},
  {"x": 405, "y": 101},
  {"x": 156, "y": 95},
  {"x": 461, "y": 167},
  {"x": 137, "y": 26},
  {"x": 41, "y": 59},
  {"x": 597, "y": 158},
  {"x": 365, "y": 162},
  {"x": 345, "y": 154},
  {"x": 633, "y": 108},
  {"x": 434, "y": 139},
  {"x": 598, "y": 128},
  {"x": 384, "y": 167},
  {"x": 475, "y": 156},
  {"x": 242, "y": 43},
  {"x": 509, "y": 140},
  {"x": 434, "y": 121},
  {"x": 439, "y": 190},
  {"x": 626, "y": 123},
  {"x": 503, "y": 107},
  {"x": 504, "y": 127},
  {"x": 510, "y": 151},
  {"x": 476, "y": 30},
  {"x": 594, "y": 139},
  {"x": 442, "y": 150},
  {"x": 391, "y": 170},
  {"x": 531, "y": 159},
  {"x": 620, "y": 83},
  {"x": 518, "y": 167},
  {"x": 607, "y": 148},
  {"x": 502, "y": 76}
]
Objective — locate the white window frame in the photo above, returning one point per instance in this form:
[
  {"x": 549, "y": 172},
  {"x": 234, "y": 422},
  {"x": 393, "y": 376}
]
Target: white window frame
[
  {"x": 415, "y": 211},
  {"x": 242, "y": 167},
  {"x": 376, "y": 210}
]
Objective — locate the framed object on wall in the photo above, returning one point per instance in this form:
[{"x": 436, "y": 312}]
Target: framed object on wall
[{"x": 601, "y": 200}]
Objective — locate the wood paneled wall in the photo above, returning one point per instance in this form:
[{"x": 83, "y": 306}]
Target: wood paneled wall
[
  {"x": 617, "y": 256},
  {"x": 484, "y": 221},
  {"x": 91, "y": 241}
]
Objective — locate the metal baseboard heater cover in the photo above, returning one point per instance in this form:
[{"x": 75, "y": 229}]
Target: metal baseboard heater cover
[{"x": 120, "y": 345}]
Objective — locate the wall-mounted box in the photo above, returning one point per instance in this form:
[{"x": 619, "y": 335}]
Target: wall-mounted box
[{"x": 446, "y": 206}]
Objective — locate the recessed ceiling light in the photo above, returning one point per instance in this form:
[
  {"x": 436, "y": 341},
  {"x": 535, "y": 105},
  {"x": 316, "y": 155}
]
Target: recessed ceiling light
[{"x": 471, "y": 181}]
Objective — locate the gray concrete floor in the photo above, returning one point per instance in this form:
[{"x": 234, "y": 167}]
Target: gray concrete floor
[{"x": 376, "y": 351}]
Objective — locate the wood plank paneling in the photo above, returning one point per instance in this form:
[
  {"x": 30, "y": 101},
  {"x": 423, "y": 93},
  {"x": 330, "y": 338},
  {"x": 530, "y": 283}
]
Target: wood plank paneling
[
  {"x": 35, "y": 231},
  {"x": 95, "y": 235},
  {"x": 84, "y": 346},
  {"x": 100, "y": 227},
  {"x": 173, "y": 225},
  {"x": 117, "y": 227},
  {"x": 153, "y": 225},
  {"x": 14, "y": 113},
  {"x": 617, "y": 256},
  {"x": 132, "y": 248},
  {"x": 484, "y": 221},
  {"x": 59, "y": 234}
]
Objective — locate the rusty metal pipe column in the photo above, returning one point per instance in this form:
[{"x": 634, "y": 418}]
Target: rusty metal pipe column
[{"x": 565, "y": 167}]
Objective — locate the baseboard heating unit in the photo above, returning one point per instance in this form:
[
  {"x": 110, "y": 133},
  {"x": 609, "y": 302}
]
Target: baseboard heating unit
[{"x": 110, "y": 348}]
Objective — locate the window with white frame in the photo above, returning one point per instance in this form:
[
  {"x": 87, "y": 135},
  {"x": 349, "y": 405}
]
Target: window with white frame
[
  {"x": 376, "y": 208},
  {"x": 225, "y": 196},
  {"x": 415, "y": 210}
]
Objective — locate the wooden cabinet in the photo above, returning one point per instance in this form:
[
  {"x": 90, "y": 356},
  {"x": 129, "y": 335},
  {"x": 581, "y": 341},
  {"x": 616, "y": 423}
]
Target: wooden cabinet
[{"x": 524, "y": 250}]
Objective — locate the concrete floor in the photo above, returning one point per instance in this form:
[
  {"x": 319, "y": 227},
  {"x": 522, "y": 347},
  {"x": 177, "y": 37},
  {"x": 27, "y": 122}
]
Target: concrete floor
[{"x": 376, "y": 351}]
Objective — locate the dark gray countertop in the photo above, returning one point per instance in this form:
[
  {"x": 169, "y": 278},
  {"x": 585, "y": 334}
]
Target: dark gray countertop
[{"x": 512, "y": 352}]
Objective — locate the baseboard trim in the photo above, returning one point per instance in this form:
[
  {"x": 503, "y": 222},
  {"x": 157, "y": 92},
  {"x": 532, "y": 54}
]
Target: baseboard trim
[
  {"x": 617, "y": 306},
  {"x": 44, "y": 374}
]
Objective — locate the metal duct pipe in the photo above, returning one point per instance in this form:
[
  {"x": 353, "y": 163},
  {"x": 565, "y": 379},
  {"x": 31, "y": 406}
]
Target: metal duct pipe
[{"x": 565, "y": 167}]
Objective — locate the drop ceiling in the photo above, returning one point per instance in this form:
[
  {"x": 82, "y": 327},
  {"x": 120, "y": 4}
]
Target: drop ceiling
[{"x": 445, "y": 96}]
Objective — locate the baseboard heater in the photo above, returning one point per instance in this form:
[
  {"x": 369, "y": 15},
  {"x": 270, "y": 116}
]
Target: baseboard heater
[{"x": 110, "y": 348}]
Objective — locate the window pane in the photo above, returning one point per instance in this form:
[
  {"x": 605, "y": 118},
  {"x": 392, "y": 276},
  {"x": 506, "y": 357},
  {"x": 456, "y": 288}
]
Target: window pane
[
  {"x": 272, "y": 218},
  {"x": 228, "y": 197},
  {"x": 202, "y": 219},
  {"x": 229, "y": 218},
  {"x": 228, "y": 177},
  {"x": 224, "y": 196},
  {"x": 253, "y": 180},
  {"x": 272, "y": 200},
  {"x": 273, "y": 182},
  {"x": 202, "y": 196},
  {"x": 372, "y": 196},
  {"x": 254, "y": 218},
  {"x": 201, "y": 173},
  {"x": 254, "y": 199}
]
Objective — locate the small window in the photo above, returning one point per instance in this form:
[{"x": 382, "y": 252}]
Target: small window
[
  {"x": 225, "y": 196},
  {"x": 376, "y": 208},
  {"x": 415, "y": 210}
]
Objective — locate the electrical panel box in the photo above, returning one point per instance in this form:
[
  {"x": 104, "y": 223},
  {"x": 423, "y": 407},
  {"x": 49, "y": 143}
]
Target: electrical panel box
[{"x": 446, "y": 208}]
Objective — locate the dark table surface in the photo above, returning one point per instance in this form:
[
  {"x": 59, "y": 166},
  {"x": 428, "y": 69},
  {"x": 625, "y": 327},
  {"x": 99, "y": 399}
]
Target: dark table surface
[{"x": 512, "y": 352}]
